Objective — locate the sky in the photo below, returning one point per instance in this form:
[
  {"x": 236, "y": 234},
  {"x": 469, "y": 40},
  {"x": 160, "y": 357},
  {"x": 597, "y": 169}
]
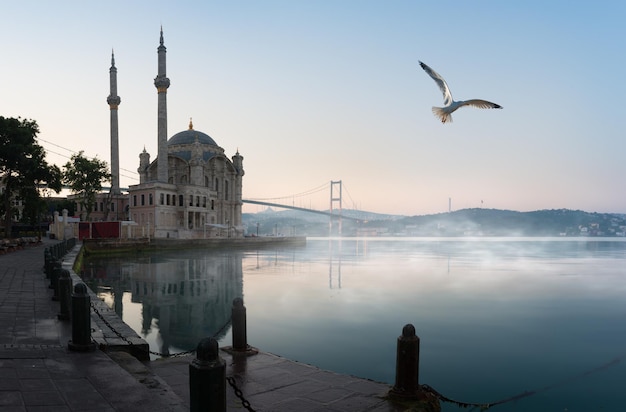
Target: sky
[{"x": 311, "y": 92}]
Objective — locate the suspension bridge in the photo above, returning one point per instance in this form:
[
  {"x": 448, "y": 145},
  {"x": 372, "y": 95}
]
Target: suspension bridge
[{"x": 335, "y": 204}]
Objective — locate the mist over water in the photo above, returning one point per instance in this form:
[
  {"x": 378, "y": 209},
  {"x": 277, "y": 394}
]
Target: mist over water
[{"x": 496, "y": 316}]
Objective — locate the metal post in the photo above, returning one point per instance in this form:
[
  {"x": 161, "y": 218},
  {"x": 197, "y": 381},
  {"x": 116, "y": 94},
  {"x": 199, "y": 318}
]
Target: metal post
[
  {"x": 81, "y": 320},
  {"x": 407, "y": 364},
  {"x": 65, "y": 295},
  {"x": 51, "y": 265},
  {"x": 207, "y": 378},
  {"x": 54, "y": 279},
  {"x": 238, "y": 315},
  {"x": 47, "y": 259}
]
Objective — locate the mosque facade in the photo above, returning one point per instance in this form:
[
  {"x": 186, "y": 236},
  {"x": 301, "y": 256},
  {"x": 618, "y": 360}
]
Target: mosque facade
[
  {"x": 192, "y": 189},
  {"x": 202, "y": 194}
]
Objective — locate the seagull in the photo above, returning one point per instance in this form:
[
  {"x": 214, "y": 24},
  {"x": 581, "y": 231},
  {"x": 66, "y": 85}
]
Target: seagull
[{"x": 450, "y": 105}]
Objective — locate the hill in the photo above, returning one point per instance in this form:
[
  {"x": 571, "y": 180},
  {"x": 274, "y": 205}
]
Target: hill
[
  {"x": 465, "y": 222},
  {"x": 493, "y": 222}
]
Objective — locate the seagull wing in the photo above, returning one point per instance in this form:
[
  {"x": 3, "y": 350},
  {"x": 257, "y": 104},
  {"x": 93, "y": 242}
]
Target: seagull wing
[
  {"x": 447, "y": 96},
  {"x": 481, "y": 104}
]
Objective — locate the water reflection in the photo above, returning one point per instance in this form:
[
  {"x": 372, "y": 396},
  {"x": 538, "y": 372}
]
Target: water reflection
[
  {"x": 495, "y": 316},
  {"x": 334, "y": 263},
  {"x": 185, "y": 295}
]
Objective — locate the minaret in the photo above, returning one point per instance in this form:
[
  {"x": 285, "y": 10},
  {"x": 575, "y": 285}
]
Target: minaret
[
  {"x": 161, "y": 82},
  {"x": 238, "y": 189},
  {"x": 144, "y": 162},
  {"x": 114, "y": 101}
]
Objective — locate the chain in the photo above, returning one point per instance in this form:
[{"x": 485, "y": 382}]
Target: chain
[
  {"x": 482, "y": 406},
  {"x": 223, "y": 328},
  {"x": 246, "y": 404},
  {"x": 485, "y": 406}
]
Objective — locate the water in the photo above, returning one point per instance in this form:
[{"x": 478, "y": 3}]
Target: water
[{"x": 496, "y": 317}]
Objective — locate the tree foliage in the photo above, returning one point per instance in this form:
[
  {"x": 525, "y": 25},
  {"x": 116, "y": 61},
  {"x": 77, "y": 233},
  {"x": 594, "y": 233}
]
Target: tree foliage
[
  {"x": 85, "y": 177},
  {"x": 23, "y": 170}
]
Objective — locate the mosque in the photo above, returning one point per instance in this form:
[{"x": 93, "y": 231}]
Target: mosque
[{"x": 191, "y": 189}]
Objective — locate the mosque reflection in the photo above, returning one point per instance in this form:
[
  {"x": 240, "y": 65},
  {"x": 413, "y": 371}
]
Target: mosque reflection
[{"x": 187, "y": 295}]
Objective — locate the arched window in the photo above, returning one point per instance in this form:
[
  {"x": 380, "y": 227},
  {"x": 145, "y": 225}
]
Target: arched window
[{"x": 225, "y": 189}]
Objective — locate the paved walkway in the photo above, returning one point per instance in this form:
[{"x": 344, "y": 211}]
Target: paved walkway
[{"x": 39, "y": 373}]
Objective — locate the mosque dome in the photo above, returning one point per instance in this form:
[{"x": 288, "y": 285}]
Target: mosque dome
[{"x": 189, "y": 136}]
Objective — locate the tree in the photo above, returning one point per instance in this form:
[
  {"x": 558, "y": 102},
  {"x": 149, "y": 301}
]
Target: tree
[
  {"x": 23, "y": 170},
  {"x": 85, "y": 177},
  {"x": 57, "y": 205}
]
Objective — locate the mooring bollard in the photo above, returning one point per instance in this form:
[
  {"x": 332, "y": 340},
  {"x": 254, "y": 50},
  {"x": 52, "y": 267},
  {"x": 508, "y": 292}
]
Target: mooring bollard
[
  {"x": 54, "y": 280},
  {"x": 207, "y": 378},
  {"x": 81, "y": 320},
  {"x": 407, "y": 364},
  {"x": 240, "y": 335},
  {"x": 51, "y": 266},
  {"x": 47, "y": 265},
  {"x": 65, "y": 295}
]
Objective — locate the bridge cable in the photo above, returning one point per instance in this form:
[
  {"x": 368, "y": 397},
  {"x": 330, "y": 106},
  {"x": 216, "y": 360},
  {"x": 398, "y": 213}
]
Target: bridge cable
[
  {"x": 307, "y": 192},
  {"x": 351, "y": 199}
]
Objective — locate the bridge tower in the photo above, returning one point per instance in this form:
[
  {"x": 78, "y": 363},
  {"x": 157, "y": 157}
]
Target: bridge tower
[{"x": 335, "y": 203}]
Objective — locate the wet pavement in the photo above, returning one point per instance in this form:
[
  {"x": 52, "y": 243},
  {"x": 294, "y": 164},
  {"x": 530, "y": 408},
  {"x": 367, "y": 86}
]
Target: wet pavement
[
  {"x": 39, "y": 373},
  {"x": 272, "y": 383},
  {"x": 37, "y": 370}
]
